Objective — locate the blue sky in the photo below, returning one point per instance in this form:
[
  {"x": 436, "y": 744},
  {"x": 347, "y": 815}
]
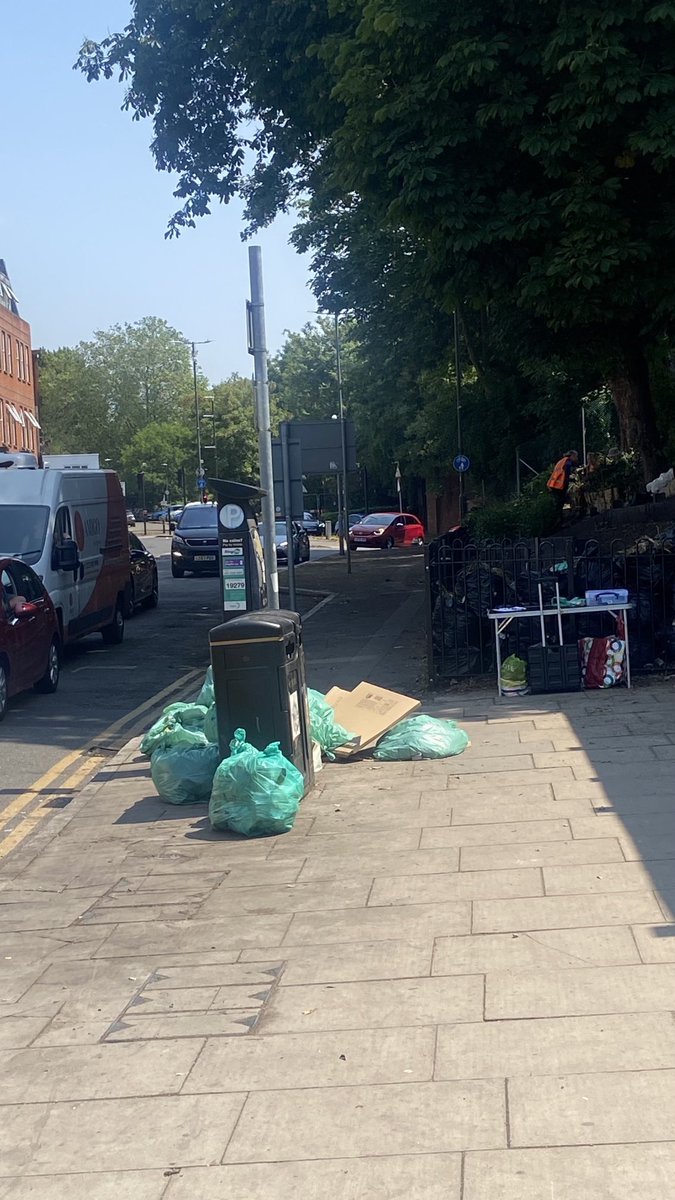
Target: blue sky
[{"x": 83, "y": 210}]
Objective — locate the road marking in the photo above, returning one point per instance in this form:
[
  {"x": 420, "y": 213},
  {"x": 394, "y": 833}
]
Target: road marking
[
  {"x": 43, "y": 789},
  {"x": 321, "y": 604}
]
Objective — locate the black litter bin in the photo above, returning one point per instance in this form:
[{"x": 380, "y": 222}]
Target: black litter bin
[{"x": 259, "y": 684}]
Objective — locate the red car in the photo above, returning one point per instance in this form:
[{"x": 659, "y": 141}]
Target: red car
[
  {"x": 29, "y": 633},
  {"x": 387, "y": 530}
]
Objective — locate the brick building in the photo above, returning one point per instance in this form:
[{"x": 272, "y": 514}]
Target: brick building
[{"x": 19, "y": 425}]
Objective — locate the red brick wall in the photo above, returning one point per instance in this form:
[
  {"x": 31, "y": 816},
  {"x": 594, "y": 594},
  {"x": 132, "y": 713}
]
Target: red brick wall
[{"x": 17, "y": 384}]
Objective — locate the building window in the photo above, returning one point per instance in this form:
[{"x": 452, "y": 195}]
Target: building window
[
  {"x": 8, "y": 350},
  {"x": 27, "y": 363}
]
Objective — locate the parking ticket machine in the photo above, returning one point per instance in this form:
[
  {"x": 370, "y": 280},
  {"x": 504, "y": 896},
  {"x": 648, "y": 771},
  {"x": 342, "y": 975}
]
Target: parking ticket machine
[{"x": 243, "y": 587}]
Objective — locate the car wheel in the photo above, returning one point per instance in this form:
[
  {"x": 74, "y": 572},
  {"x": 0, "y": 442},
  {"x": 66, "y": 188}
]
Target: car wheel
[
  {"x": 113, "y": 633},
  {"x": 4, "y": 690},
  {"x": 50, "y": 679},
  {"x": 177, "y": 572},
  {"x": 389, "y": 544},
  {"x": 131, "y": 600},
  {"x": 353, "y": 547},
  {"x": 153, "y": 599}
]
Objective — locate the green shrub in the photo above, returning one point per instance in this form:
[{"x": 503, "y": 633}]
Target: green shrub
[{"x": 526, "y": 516}]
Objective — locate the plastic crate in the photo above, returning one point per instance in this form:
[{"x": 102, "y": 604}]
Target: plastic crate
[{"x": 554, "y": 668}]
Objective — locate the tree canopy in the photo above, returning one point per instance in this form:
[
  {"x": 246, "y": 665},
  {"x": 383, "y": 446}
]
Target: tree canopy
[{"x": 523, "y": 154}]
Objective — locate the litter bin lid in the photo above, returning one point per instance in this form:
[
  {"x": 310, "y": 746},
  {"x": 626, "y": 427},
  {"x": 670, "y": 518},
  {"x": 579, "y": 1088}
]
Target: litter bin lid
[{"x": 264, "y": 626}]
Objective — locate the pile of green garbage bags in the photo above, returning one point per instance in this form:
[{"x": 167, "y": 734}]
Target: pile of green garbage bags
[
  {"x": 255, "y": 792},
  {"x": 252, "y": 792},
  {"x": 323, "y": 727},
  {"x": 421, "y": 737},
  {"x": 513, "y": 676}
]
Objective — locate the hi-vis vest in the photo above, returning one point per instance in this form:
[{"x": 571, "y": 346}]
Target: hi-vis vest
[{"x": 558, "y": 479}]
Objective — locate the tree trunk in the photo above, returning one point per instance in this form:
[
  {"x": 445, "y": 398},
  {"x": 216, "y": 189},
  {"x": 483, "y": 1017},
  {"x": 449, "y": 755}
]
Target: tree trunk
[{"x": 631, "y": 392}]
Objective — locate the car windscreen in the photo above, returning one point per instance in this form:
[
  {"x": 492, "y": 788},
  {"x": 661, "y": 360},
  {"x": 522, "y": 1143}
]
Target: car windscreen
[
  {"x": 377, "y": 519},
  {"x": 203, "y": 517},
  {"x": 23, "y": 528}
]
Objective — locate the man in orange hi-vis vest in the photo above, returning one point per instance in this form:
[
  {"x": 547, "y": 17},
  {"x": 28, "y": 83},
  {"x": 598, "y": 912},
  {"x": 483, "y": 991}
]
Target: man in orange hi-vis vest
[{"x": 559, "y": 480}]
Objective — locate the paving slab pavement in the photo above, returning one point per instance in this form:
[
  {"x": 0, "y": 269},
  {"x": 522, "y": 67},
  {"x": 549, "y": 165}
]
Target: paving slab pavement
[{"x": 450, "y": 981}]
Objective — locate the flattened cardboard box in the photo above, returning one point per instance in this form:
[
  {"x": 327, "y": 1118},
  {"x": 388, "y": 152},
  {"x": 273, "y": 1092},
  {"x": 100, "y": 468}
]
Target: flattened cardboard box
[{"x": 368, "y": 712}]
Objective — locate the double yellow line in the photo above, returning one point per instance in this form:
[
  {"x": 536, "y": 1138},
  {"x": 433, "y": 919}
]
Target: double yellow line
[{"x": 71, "y": 771}]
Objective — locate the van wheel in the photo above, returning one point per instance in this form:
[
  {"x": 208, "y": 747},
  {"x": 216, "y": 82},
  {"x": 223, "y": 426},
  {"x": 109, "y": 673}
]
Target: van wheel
[
  {"x": 50, "y": 679},
  {"x": 113, "y": 633},
  {"x": 4, "y": 690}
]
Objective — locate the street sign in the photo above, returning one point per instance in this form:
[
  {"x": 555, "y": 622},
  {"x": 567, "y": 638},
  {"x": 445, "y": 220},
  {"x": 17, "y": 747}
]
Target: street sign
[
  {"x": 461, "y": 463},
  {"x": 201, "y": 482}
]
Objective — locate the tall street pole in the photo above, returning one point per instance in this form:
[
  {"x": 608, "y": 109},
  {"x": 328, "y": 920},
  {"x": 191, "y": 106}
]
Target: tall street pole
[
  {"x": 198, "y": 419},
  {"x": 458, "y": 378},
  {"x": 344, "y": 522},
  {"x": 257, "y": 346}
]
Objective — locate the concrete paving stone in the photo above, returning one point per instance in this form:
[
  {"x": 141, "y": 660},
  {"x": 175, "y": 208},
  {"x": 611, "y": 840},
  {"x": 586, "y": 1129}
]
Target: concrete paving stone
[
  {"x": 150, "y": 1132},
  {"x": 352, "y": 961},
  {"x": 611, "y": 772},
  {"x": 610, "y": 742},
  {"x": 250, "y": 974},
  {"x": 102, "y": 914},
  {"x": 568, "y": 1045},
  {"x": 313, "y": 1060},
  {"x": 251, "y": 995},
  {"x": 546, "y": 854},
  {"x": 553, "y": 948},
  {"x": 99, "y": 999},
  {"x": 347, "y": 1122},
  {"x": 489, "y": 812},
  {"x": 96, "y": 1072},
  {"x": 599, "y": 877},
  {"x": 628, "y": 1106},
  {"x": 73, "y": 1031},
  {"x": 472, "y": 763},
  {"x": 626, "y": 989},
  {"x": 659, "y": 825},
  {"x": 14, "y": 982},
  {"x": 267, "y": 873},
  {"x": 564, "y": 912},
  {"x": 600, "y": 1172},
  {"x": 655, "y": 943},
  {"x": 413, "y": 922},
  {"x": 289, "y": 898},
  {"x": 135, "y": 1026},
  {"x": 114, "y": 1185},
  {"x": 371, "y": 810},
  {"x": 534, "y": 792},
  {"x": 487, "y": 780},
  {"x": 460, "y": 885},
  {"x": 652, "y": 848},
  {"x": 39, "y": 915},
  {"x": 593, "y": 760},
  {"x": 171, "y": 937},
  {"x": 332, "y": 824},
  {"x": 410, "y": 1177},
  {"x": 667, "y": 753},
  {"x": 125, "y": 898},
  {"x": 161, "y": 1000},
  {"x": 498, "y": 834},
  {"x": 375, "y": 1004},
  {"x": 196, "y": 883},
  {"x": 37, "y": 946},
  {"x": 502, "y": 741},
  {"x": 336, "y": 844},
  {"x": 379, "y": 862},
  {"x": 18, "y": 1031}
]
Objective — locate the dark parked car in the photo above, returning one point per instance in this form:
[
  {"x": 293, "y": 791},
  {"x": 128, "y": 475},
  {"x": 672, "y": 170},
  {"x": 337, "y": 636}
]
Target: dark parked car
[
  {"x": 30, "y": 643},
  {"x": 313, "y": 525},
  {"x": 194, "y": 546},
  {"x": 131, "y": 519},
  {"x": 301, "y": 550},
  {"x": 144, "y": 583}
]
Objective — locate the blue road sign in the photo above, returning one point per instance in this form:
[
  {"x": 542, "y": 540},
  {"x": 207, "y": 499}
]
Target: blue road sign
[
  {"x": 201, "y": 482},
  {"x": 461, "y": 463}
]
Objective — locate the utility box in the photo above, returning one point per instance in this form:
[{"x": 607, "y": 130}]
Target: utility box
[
  {"x": 243, "y": 586},
  {"x": 259, "y": 684}
]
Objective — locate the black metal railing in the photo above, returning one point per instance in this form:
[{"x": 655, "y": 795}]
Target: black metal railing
[{"x": 465, "y": 579}]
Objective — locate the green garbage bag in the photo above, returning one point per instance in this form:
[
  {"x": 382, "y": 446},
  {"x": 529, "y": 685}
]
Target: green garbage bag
[
  {"x": 255, "y": 792},
  {"x": 211, "y": 725},
  {"x": 323, "y": 726},
  {"x": 513, "y": 676},
  {"x": 421, "y": 737},
  {"x": 184, "y": 774},
  {"x": 179, "y": 725},
  {"x": 206, "y": 695}
]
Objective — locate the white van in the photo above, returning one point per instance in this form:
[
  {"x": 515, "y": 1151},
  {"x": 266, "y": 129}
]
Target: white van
[{"x": 70, "y": 526}]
